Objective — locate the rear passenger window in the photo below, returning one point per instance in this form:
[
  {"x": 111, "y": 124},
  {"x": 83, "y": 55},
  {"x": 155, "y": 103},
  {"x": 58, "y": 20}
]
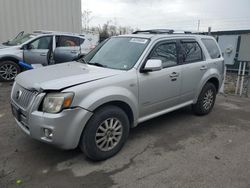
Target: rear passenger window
[
  {"x": 191, "y": 52},
  {"x": 167, "y": 53},
  {"x": 67, "y": 41},
  {"x": 212, "y": 48}
]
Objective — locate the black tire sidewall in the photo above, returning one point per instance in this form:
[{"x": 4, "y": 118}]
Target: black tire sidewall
[
  {"x": 198, "y": 107},
  {"x": 88, "y": 143},
  {"x": 12, "y": 63}
]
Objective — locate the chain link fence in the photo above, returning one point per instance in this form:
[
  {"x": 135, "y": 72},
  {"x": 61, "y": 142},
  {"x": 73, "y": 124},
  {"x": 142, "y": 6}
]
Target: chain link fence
[{"x": 231, "y": 82}]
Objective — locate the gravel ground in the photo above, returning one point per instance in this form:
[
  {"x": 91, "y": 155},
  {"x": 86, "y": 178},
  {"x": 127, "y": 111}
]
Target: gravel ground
[{"x": 174, "y": 150}]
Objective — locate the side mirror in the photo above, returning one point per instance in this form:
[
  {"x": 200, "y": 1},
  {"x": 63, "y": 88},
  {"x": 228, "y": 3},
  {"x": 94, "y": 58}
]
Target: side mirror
[
  {"x": 24, "y": 47},
  {"x": 153, "y": 65}
]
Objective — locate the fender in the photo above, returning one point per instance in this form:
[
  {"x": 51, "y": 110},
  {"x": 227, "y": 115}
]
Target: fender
[
  {"x": 211, "y": 73},
  {"x": 10, "y": 57},
  {"x": 111, "y": 94}
]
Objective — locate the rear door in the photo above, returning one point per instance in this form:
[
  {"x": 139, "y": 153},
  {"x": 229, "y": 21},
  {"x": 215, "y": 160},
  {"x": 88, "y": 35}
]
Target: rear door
[
  {"x": 38, "y": 50},
  {"x": 193, "y": 66},
  {"x": 67, "y": 48}
]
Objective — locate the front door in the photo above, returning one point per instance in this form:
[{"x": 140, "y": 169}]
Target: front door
[
  {"x": 38, "y": 51},
  {"x": 160, "y": 90}
]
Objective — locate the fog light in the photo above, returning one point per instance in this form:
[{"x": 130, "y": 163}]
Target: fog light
[{"x": 48, "y": 133}]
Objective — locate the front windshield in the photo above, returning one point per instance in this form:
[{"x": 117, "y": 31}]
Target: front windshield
[
  {"x": 118, "y": 53},
  {"x": 19, "y": 40}
]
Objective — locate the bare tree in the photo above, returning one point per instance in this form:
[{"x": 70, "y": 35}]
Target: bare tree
[
  {"x": 86, "y": 18},
  {"x": 110, "y": 28}
]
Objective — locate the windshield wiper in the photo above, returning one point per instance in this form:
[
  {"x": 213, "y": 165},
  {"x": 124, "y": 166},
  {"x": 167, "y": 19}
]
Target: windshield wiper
[
  {"x": 97, "y": 64},
  {"x": 82, "y": 60}
]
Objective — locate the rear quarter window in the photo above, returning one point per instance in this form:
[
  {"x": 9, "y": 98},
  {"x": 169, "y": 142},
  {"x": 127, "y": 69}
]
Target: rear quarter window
[
  {"x": 81, "y": 41},
  {"x": 212, "y": 48}
]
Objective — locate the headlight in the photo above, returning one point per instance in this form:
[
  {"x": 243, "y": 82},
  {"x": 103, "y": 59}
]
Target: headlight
[{"x": 55, "y": 102}]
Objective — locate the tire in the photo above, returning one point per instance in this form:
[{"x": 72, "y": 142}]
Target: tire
[
  {"x": 9, "y": 70},
  {"x": 95, "y": 135},
  {"x": 206, "y": 100}
]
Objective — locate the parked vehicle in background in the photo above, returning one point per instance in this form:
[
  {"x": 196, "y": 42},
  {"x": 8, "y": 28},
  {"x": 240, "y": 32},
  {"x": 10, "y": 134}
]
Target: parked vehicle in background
[
  {"x": 124, "y": 81},
  {"x": 38, "y": 48},
  {"x": 91, "y": 40}
]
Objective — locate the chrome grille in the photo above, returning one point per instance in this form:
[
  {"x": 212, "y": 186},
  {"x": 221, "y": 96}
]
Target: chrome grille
[{"x": 22, "y": 96}]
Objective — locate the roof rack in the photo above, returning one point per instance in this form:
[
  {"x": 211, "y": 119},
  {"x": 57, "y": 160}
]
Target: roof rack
[{"x": 164, "y": 31}]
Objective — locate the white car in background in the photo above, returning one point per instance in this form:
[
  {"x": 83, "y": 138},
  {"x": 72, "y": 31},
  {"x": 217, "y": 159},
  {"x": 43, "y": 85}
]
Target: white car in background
[
  {"x": 40, "y": 48},
  {"x": 91, "y": 41}
]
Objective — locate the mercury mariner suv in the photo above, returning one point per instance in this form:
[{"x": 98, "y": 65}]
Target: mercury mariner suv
[{"x": 124, "y": 81}]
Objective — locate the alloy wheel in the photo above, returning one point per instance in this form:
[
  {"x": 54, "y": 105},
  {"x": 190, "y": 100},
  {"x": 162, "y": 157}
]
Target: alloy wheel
[
  {"x": 8, "y": 71},
  {"x": 208, "y": 99},
  {"x": 108, "y": 134}
]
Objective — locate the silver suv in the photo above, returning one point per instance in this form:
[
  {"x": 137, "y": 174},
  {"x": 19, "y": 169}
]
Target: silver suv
[
  {"x": 124, "y": 81},
  {"x": 38, "y": 48}
]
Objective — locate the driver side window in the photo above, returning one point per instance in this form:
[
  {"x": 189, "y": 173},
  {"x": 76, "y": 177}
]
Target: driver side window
[
  {"x": 167, "y": 52},
  {"x": 41, "y": 43}
]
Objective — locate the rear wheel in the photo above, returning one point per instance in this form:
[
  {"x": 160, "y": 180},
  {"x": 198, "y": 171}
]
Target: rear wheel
[
  {"x": 205, "y": 100},
  {"x": 9, "y": 70},
  {"x": 105, "y": 133}
]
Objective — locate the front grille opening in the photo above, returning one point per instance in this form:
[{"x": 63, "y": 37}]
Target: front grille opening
[{"x": 22, "y": 96}]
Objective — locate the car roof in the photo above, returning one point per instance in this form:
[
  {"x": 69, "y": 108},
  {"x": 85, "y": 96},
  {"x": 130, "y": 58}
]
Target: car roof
[
  {"x": 158, "y": 36},
  {"x": 42, "y": 32},
  {"x": 166, "y": 33}
]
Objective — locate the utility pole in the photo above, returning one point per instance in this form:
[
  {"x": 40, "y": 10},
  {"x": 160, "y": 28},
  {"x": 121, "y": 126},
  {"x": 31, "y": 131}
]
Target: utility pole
[
  {"x": 209, "y": 30},
  {"x": 199, "y": 22}
]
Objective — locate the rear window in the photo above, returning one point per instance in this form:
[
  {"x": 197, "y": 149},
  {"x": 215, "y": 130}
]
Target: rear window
[
  {"x": 212, "y": 48},
  {"x": 67, "y": 41}
]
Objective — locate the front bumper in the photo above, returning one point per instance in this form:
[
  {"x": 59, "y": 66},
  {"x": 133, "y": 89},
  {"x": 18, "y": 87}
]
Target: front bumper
[{"x": 66, "y": 126}]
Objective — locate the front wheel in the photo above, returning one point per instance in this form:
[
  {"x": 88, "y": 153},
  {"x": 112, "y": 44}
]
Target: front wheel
[
  {"x": 105, "y": 133},
  {"x": 206, "y": 100},
  {"x": 8, "y": 70}
]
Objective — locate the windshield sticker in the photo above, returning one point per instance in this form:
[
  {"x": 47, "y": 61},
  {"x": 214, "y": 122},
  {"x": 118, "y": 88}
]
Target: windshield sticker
[{"x": 138, "y": 40}]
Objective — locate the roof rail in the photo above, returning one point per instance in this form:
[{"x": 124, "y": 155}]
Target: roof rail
[
  {"x": 155, "y": 31},
  {"x": 165, "y": 31},
  {"x": 43, "y": 31}
]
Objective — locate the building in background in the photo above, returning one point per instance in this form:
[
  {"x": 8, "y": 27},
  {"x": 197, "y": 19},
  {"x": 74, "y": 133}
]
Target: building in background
[
  {"x": 235, "y": 46},
  {"x": 30, "y": 15}
]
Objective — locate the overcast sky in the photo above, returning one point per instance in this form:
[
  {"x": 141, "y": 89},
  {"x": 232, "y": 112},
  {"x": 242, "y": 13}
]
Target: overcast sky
[{"x": 176, "y": 14}]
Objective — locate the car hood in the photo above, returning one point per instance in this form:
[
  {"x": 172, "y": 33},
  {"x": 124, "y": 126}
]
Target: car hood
[
  {"x": 58, "y": 77},
  {"x": 6, "y": 47}
]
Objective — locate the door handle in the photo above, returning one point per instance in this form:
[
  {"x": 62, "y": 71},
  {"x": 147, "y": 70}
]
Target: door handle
[
  {"x": 203, "y": 67},
  {"x": 174, "y": 75},
  {"x": 74, "y": 51},
  {"x": 43, "y": 54}
]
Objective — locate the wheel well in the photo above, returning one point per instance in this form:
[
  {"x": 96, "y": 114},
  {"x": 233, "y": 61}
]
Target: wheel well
[
  {"x": 214, "y": 81},
  {"x": 124, "y": 106},
  {"x": 9, "y": 59}
]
